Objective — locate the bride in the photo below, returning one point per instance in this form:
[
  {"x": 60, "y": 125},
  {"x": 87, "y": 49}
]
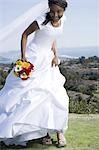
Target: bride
[{"x": 38, "y": 106}]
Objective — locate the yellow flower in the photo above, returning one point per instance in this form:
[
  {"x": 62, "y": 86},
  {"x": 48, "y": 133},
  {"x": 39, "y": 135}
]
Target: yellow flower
[
  {"x": 26, "y": 65},
  {"x": 19, "y": 62},
  {"x": 16, "y": 74},
  {"x": 23, "y": 75}
]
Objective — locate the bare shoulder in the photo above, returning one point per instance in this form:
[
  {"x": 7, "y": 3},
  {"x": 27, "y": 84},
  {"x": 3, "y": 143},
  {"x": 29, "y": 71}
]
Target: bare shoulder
[{"x": 31, "y": 28}]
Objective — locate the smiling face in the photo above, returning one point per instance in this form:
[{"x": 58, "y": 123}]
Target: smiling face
[{"x": 56, "y": 12}]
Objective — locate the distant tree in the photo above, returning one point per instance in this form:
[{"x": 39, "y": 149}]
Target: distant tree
[{"x": 82, "y": 60}]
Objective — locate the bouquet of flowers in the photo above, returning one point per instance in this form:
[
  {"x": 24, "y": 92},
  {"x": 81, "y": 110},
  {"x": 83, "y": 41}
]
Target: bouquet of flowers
[{"x": 23, "y": 69}]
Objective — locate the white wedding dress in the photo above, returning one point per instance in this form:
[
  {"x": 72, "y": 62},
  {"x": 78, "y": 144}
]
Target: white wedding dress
[{"x": 31, "y": 108}]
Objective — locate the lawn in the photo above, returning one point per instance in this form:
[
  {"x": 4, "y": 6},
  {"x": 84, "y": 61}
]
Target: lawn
[{"x": 82, "y": 134}]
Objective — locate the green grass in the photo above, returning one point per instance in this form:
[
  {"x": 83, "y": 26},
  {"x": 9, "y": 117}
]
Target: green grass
[{"x": 82, "y": 134}]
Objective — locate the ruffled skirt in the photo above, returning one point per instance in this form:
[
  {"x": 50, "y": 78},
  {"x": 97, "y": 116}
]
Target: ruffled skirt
[{"x": 31, "y": 108}]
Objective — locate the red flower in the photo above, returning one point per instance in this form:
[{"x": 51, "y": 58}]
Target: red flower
[{"x": 25, "y": 70}]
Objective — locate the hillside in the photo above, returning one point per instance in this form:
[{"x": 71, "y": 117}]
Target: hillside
[{"x": 82, "y": 80}]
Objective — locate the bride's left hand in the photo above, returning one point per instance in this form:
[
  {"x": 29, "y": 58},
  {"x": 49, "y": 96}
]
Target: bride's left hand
[{"x": 55, "y": 61}]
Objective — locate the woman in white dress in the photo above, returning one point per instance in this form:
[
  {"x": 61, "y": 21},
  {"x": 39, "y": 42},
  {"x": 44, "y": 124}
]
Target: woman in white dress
[{"x": 33, "y": 108}]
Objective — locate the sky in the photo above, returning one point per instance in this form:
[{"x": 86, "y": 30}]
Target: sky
[{"x": 81, "y": 28}]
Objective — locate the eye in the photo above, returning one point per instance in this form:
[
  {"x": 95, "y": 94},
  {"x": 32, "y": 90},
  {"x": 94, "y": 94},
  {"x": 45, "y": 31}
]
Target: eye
[{"x": 52, "y": 12}]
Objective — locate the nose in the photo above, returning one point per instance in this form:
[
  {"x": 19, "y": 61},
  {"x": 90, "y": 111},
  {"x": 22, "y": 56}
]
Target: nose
[{"x": 55, "y": 14}]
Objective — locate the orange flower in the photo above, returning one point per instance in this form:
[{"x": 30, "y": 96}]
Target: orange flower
[{"x": 25, "y": 65}]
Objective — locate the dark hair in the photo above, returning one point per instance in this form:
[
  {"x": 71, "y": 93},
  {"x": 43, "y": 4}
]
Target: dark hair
[{"x": 61, "y": 3}]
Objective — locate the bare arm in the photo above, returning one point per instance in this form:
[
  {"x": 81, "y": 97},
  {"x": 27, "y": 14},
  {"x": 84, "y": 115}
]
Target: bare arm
[
  {"x": 55, "y": 59},
  {"x": 33, "y": 27},
  {"x": 54, "y": 48}
]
